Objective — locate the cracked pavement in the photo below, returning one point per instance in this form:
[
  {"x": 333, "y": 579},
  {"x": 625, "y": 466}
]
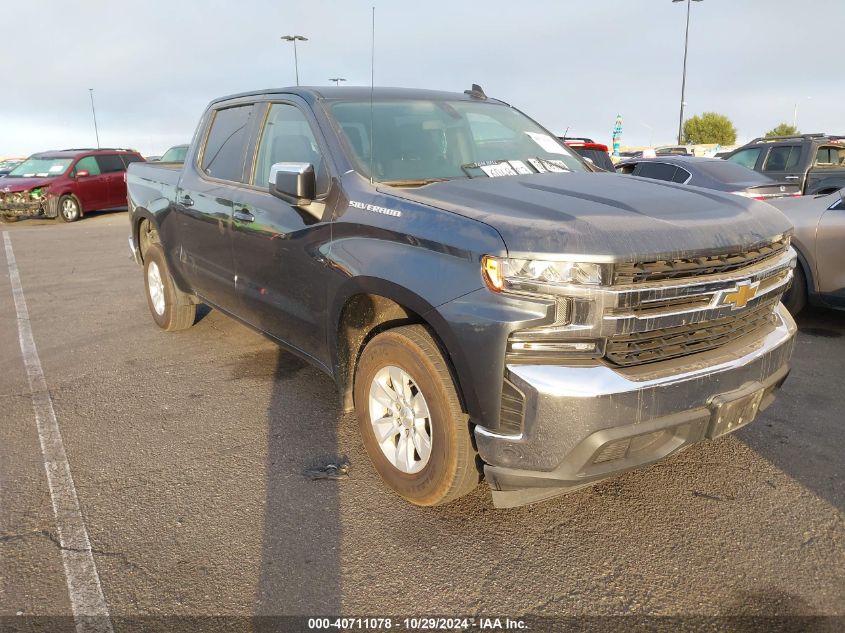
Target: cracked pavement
[{"x": 188, "y": 451}]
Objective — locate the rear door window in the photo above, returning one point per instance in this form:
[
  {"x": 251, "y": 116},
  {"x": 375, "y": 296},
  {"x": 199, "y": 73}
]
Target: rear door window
[
  {"x": 657, "y": 171},
  {"x": 110, "y": 163},
  {"x": 681, "y": 175},
  {"x": 88, "y": 164},
  {"x": 783, "y": 158},
  {"x": 225, "y": 147},
  {"x": 746, "y": 157}
]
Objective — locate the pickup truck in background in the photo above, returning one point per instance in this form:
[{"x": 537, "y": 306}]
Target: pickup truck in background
[
  {"x": 489, "y": 306},
  {"x": 815, "y": 162}
]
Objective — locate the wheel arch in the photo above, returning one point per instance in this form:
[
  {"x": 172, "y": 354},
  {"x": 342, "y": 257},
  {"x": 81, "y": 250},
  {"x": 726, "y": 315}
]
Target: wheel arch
[
  {"x": 804, "y": 263},
  {"x": 369, "y": 306},
  {"x": 139, "y": 215}
]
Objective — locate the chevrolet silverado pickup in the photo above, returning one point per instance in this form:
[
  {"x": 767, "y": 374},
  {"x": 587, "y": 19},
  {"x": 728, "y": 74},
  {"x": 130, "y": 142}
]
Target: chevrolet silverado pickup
[{"x": 489, "y": 306}]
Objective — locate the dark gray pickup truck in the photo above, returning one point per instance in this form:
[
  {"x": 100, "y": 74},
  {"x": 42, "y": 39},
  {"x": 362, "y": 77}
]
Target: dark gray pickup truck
[{"x": 489, "y": 306}]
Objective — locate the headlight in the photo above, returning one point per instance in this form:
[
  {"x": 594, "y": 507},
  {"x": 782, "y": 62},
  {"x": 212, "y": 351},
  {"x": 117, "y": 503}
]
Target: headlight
[{"x": 528, "y": 274}]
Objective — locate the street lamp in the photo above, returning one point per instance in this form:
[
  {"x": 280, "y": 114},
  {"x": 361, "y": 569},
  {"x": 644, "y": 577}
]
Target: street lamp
[
  {"x": 294, "y": 39},
  {"x": 684, "y": 80},
  {"x": 795, "y": 115},
  {"x": 94, "y": 113},
  {"x": 337, "y": 80}
]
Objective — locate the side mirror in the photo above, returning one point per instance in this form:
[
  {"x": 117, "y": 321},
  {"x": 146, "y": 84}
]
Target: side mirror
[
  {"x": 293, "y": 182},
  {"x": 82, "y": 173}
]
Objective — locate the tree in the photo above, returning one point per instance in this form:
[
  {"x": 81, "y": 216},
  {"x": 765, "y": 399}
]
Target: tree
[
  {"x": 784, "y": 129},
  {"x": 710, "y": 127}
]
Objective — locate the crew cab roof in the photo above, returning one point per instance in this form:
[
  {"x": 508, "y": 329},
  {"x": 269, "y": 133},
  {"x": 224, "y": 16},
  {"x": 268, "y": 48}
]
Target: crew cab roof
[{"x": 358, "y": 93}]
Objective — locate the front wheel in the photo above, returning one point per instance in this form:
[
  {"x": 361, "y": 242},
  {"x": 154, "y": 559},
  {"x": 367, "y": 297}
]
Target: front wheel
[
  {"x": 69, "y": 209},
  {"x": 171, "y": 308},
  {"x": 410, "y": 418}
]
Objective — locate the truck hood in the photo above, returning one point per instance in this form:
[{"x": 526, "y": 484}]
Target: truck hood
[
  {"x": 11, "y": 185},
  {"x": 603, "y": 216}
]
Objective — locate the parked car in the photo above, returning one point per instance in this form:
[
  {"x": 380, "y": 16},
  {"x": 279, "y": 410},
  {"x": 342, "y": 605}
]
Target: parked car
[
  {"x": 819, "y": 239},
  {"x": 8, "y": 165},
  {"x": 66, "y": 183},
  {"x": 588, "y": 148},
  {"x": 486, "y": 304},
  {"x": 711, "y": 173},
  {"x": 673, "y": 150},
  {"x": 175, "y": 154},
  {"x": 815, "y": 162}
]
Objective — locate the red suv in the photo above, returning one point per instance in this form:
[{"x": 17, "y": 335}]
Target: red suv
[{"x": 66, "y": 183}]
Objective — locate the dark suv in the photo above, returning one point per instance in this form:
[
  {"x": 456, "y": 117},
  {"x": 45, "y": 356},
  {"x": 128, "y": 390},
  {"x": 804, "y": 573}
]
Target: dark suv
[
  {"x": 67, "y": 183},
  {"x": 815, "y": 162}
]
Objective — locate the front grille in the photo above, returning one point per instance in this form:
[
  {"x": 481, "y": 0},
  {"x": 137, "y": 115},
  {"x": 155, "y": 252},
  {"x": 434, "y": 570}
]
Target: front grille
[
  {"x": 672, "y": 342},
  {"x": 639, "y": 272}
]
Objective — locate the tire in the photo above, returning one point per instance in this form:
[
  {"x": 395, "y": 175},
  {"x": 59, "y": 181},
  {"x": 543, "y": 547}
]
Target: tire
[
  {"x": 796, "y": 297},
  {"x": 69, "y": 209},
  {"x": 171, "y": 308},
  {"x": 8, "y": 219},
  {"x": 449, "y": 470}
]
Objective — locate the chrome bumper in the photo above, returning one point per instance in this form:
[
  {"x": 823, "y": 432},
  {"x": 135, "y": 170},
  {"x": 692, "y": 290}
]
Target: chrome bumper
[{"x": 573, "y": 415}]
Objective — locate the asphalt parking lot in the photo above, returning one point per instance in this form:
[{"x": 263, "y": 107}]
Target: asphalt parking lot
[{"x": 188, "y": 450}]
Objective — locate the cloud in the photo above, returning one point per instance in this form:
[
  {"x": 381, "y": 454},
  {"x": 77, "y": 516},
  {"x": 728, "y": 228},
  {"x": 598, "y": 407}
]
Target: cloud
[{"x": 155, "y": 65}]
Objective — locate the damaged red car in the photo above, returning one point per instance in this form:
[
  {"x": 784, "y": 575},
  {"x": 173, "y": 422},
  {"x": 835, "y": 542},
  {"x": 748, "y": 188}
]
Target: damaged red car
[{"x": 66, "y": 184}]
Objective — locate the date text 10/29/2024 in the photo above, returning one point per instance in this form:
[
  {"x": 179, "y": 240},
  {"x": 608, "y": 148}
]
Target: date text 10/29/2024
[{"x": 418, "y": 624}]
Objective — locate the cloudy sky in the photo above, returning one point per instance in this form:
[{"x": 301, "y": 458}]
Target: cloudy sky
[{"x": 574, "y": 64}]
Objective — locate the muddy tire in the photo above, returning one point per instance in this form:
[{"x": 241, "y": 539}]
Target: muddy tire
[
  {"x": 69, "y": 209},
  {"x": 410, "y": 418},
  {"x": 8, "y": 219},
  {"x": 171, "y": 308},
  {"x": 796, "y": 297}
]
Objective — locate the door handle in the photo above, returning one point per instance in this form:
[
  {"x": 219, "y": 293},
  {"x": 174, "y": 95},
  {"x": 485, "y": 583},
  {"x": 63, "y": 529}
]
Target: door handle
[
  {"x": 186, "y": 201},
  {"x": 244, "y": 215},
  {"x": 791, "y": 177}
]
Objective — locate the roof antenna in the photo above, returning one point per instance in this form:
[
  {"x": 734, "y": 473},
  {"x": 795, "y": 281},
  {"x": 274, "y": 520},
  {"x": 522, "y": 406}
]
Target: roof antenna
[
  {"x": 372, "y": 88},
  {"x": 477, "y": 92},
  {"x": 566, "y": 132}
]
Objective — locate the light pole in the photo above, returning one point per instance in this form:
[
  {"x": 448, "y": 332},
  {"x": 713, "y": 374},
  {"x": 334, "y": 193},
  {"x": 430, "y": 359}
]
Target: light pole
[
  {"x": 94, "y": 113},
  {"x": 795, "y": 115},
  {"x": 294, "y": 39},
  {"x": 337, "y": 80},
  {"x": 684, "y": 79}
]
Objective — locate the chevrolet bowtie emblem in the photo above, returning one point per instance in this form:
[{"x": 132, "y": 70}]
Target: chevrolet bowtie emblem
[{"x": 739, "y": 298}]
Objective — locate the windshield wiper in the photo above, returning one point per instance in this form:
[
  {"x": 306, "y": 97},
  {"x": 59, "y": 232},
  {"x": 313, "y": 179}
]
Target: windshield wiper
[{"x": 419, "y": 182}]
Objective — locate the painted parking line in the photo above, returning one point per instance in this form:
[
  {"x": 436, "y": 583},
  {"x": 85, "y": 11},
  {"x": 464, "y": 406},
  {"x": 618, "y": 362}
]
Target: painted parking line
[{"x": 87, "y": 601}]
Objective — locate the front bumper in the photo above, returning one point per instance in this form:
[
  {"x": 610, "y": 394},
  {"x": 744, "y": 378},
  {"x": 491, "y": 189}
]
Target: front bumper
[{"x": 585, "y": 424}]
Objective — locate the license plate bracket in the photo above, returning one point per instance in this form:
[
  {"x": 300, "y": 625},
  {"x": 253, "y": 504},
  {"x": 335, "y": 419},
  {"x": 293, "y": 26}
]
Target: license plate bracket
[{"x": 734, "y": 409}]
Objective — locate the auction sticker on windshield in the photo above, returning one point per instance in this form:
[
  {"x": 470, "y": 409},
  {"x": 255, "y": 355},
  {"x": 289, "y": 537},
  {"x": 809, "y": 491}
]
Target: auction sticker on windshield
[
  {"x": 500, "y": 169},
  {"x": 546, "y": 142}
]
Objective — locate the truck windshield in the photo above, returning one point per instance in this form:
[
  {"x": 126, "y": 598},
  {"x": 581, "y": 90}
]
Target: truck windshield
[
  {"x": 416, "y": 141},
  {"x": 41, "y": 168},
  {"x": 175, "y": 154}
]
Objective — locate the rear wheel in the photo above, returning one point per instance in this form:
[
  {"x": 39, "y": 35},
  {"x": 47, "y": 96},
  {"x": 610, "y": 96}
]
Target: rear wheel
[
  {"x": 69, "y": 209},
  {"x": 796, "y": 297},
  {"x": 410, "y": 418},
  {"x": 171, "y": 308}
]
